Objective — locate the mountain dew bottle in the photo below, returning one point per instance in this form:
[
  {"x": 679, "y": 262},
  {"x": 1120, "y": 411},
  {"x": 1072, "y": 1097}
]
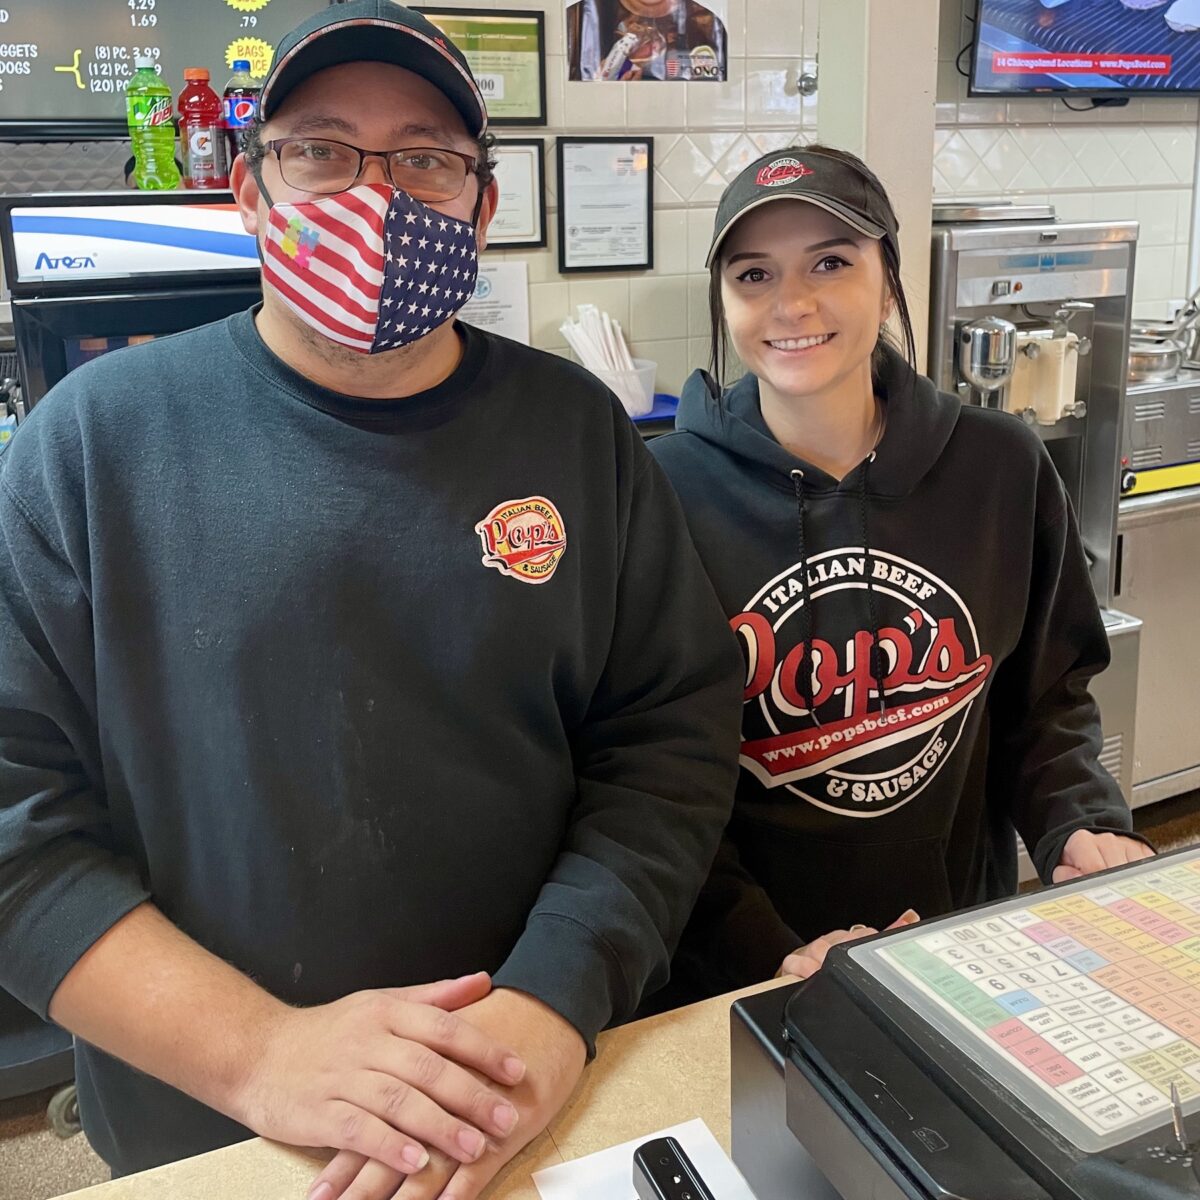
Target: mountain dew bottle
[{"x": 148, "y": 111}]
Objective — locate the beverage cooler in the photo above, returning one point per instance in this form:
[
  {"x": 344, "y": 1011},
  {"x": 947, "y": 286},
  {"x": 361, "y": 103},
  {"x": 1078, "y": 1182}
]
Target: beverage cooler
[
  {"x": 93, "y": 272},
  {"x": 89, "y": 273}
]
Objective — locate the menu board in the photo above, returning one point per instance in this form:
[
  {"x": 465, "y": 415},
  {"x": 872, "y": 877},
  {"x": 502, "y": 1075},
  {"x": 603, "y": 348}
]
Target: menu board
[{"x": 71, "y": 60}]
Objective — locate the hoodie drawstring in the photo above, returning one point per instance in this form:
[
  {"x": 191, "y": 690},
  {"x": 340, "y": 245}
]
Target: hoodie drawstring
[
  {"x": 805, "y": 598},
  {"x": 808, "y": 629},
  {"x": 876, "y": 649}
]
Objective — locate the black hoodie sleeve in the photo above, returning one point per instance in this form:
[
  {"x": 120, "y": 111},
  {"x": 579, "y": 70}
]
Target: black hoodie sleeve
[
  {"x": 735, "y": 938},
  {"x": 656, "y": 764},
  {"x": 1045, "y": 725}
]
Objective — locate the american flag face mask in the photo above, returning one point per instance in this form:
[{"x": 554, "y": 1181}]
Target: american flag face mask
[{"x": 371, "y": 267}]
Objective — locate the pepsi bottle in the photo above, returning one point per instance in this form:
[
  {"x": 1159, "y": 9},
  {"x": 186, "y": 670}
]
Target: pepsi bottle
[{"x": 240, "y": 104}]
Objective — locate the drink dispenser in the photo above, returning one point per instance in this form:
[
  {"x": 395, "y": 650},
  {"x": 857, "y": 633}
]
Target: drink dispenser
[
  {"x": 987, "y": 356},
  {"x": 1045, "y": 383}
]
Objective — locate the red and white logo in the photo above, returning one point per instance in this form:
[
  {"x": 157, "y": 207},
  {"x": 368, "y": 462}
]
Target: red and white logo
[
  {"x": 781, "y": 171},
  {"x": 524, "y": 539},
  {"x": 847, "y": 754}
]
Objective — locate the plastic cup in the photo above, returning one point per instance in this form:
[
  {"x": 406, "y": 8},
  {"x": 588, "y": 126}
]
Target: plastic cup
[{"x": 634, "y": 389}]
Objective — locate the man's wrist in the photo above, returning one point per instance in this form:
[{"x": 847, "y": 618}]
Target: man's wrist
[
  {"x": 248, "y": 1056},
  {"x": 535, "y": 1014},
  {"x": 536, "y": 1008}
]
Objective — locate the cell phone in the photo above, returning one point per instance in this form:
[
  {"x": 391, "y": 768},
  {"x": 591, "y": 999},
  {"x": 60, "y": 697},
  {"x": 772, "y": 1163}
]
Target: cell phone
[{"x": 663, "y": 1171}]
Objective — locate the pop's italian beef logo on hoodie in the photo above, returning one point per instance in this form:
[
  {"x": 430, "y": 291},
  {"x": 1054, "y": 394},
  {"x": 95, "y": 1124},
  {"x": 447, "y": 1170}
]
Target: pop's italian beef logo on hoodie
[{"x": 849, "y": 753}]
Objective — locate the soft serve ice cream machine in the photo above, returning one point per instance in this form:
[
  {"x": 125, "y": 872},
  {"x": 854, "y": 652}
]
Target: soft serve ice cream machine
[{"x": 1031, "y": 316}]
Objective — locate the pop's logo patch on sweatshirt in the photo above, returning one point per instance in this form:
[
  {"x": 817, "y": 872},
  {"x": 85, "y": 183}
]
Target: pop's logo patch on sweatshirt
[
  {"x": 524, "y": 539},
  {"x": 847, "y": 753}
]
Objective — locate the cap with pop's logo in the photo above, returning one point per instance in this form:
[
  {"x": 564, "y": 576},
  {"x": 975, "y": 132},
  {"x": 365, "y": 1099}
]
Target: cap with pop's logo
[
  {"x": 374, "y": 31},
  {"x": 829, "y": 182}
]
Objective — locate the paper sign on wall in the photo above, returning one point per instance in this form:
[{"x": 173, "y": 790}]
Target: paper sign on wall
[{"x": 501, "y": 301}]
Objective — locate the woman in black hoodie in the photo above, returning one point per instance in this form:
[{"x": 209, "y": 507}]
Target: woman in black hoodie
[{"x": 908, "y": 583}]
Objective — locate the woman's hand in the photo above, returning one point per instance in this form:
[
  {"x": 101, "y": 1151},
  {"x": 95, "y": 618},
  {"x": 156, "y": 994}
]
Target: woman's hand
[
  {"x": 1087, "y": 852},
  {"x": 807, "y": 961}
]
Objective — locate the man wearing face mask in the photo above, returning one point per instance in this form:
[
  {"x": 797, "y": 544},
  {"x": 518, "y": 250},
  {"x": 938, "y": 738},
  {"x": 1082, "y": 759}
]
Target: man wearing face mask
[{"x": 367, "y": 723}]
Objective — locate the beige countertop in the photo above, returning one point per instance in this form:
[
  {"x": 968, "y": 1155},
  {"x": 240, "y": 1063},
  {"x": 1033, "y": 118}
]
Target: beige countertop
[{"x": 646, "y": 1076}]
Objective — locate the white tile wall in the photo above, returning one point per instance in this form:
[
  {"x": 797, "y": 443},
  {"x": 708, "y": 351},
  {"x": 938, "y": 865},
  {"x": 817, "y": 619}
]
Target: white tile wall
[
  {"x": 704, "y": 133},
  {"x": 1136, "y": 162}
]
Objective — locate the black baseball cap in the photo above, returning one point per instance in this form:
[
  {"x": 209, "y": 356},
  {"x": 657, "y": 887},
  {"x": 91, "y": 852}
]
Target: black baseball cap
[
  {"x": 374, "y": 31},
  {"x": 817, "y": 178}
]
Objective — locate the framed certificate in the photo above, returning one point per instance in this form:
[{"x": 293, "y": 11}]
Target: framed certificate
[
  {"x": 506, "y": 48},
  {"x": 605, "y": 204},
  {"x": 520, "y": 219}
]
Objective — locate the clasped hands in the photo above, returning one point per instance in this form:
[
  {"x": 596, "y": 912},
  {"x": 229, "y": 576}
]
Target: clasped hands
[{"x": 424, "y": 1092}]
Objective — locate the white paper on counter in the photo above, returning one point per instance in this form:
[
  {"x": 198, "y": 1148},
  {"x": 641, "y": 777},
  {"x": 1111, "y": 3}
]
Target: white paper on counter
[{"x": 608, "y": 1174}]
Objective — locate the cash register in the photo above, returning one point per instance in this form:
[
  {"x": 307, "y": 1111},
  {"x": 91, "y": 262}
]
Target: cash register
[{"x": 1045, "y": 1047}]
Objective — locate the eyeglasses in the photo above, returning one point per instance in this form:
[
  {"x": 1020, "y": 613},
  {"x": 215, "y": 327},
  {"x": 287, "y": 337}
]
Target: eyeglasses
[{"x": 321, "y": 165}]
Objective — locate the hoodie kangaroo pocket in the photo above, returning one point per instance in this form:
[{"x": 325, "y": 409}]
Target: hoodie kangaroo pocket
[{"x": 819, "y": 885}]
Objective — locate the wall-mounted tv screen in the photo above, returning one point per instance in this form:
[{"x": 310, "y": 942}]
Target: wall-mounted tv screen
[
  {"x": 64, "y": 64},
  {"x": 1101, "y": 47}
]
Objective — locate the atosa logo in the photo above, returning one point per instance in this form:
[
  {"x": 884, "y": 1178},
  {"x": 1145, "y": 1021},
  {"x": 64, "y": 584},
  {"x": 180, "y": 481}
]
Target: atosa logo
[
  {"x": 781, "y": 171},
  {"x": 64, "y": 262}
]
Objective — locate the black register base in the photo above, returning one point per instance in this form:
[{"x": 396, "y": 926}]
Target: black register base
[{"x": 1046, "y": 1046}]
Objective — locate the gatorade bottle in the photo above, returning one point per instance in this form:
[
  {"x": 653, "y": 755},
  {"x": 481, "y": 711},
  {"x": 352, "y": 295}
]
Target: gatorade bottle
[
  {"x": 240, "y": 103},
  {"x": 201, "y": 133},
  {"x": 148, "y": 111}
]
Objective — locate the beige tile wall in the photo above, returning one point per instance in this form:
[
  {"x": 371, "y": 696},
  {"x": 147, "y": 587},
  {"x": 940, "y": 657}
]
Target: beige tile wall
[
  {"x": 1136, "y": 162},
  {"x": 704, "y": 133}
]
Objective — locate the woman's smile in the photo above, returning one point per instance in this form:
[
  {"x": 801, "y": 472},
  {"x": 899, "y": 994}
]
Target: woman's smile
[{"x": 793, "y": 347}]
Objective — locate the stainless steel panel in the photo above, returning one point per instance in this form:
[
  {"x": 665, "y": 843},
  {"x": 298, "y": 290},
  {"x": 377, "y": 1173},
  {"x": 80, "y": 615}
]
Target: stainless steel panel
[
  {"x": 1018, "y": 236},
  {"x": 1040, "y": 289},
  {"x": 1139, "y": 511},
  {"x": 953, "y": 211},
  {"x": 1115, "y": 691},
  {"x": 1154, "y": 790},
  {"x": 1162, "y": 423},
  {"x": 1160, "y": 581}
]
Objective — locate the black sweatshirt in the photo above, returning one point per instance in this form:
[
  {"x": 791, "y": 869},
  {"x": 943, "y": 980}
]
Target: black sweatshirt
[
  {"x": 359, "y": 693},
  {"x": 957, "y": 548}
]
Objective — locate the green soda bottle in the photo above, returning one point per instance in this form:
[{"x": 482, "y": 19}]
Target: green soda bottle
[{"x": 148, "y": 111}]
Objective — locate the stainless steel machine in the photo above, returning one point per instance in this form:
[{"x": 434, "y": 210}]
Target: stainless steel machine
[
  {"x": 1159, "y": 578},
  {"x": 1160, "y": 436},
  {"x": 1031, "y": 315}
]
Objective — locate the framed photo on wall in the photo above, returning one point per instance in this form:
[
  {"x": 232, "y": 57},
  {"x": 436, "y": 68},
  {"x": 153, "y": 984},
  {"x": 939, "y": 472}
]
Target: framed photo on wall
[
  {"x": 506, "y": 48},
  {"x": 520, "y": 220},
  {"x": 605, "y": 203},
  {"x": 647, "y": 41}
]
